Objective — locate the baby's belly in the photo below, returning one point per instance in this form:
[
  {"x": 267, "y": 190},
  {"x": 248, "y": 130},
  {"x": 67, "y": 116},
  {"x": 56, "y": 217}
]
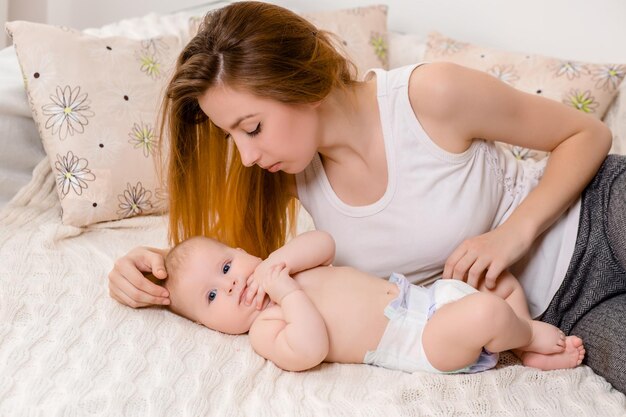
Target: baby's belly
[{"x": 352, "y": 304}]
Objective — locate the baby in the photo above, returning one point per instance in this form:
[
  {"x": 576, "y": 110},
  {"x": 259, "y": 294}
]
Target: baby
[{"x": 299, "y": 311}]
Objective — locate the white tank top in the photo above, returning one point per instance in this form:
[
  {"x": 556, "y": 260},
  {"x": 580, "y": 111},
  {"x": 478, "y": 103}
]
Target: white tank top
[{"x": 434, "y": 200}]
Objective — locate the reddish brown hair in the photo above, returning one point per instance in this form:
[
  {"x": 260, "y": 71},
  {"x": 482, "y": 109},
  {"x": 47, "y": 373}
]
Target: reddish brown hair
[{"x": 268, "y": 51}]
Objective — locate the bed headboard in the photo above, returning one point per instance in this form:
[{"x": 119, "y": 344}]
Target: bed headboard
[{"x": 571, "y": 29}]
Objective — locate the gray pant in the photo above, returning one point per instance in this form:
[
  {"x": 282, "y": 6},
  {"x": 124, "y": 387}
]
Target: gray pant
[{"x": 591, "y": 302}]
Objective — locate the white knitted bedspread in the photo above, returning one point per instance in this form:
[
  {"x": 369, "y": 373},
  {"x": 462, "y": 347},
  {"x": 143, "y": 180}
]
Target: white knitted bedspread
[{"x": 68, "y": 350}]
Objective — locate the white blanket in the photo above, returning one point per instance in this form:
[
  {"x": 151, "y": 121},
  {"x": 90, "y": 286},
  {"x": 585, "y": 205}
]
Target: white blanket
[{"x": 68, "y": 349}]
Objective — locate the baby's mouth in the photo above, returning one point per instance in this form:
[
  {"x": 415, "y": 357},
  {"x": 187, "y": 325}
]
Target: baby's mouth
[{"x": 242, "y": 294}]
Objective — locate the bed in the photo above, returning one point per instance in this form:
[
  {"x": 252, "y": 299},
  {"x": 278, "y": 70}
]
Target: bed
[{"x": 68, "y": 349}]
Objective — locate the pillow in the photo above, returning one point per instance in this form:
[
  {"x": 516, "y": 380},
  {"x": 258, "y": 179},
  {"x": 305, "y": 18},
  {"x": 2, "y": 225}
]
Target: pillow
[
  {"x": 585, "y": 86},
  {"x": 615, "y": 119},
  {"x": 405, "y": 49},
  {"x": 20, "y": 146},
  {"x": 95, "y": 103},
  {"x": 362, "y": 31},
  {"x": 151, "y": 25}
]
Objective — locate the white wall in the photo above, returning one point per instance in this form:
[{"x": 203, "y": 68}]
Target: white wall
[
  {"x": 33, "y": 10},
  {"x": 81, "y": 14},
  {"x": 4, "y": 12},
  {"x": 574, "y": 29}
]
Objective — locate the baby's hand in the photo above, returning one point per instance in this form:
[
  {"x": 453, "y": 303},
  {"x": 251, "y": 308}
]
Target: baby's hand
[
  {"x": 279, "y": 283},
  {"x": 256, "y": 289}
]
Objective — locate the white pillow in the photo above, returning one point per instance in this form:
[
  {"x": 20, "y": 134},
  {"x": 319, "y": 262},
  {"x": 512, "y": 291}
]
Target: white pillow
[
  {"x": 405, "y": 49},
  {"x": 20, "y": 146},
  {"x": 616, "y": 121}
]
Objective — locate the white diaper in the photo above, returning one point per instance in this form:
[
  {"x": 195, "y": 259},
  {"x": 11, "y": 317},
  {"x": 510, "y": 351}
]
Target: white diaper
[{"x": 401, "y": 346}]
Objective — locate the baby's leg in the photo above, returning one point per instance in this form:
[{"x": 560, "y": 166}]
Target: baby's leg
[
  {"x": 455, "y": 335},
  {"x": 550, "y": 348},
  {"x": 546, "y": 339},
  {"x": 510, "y": 290}
]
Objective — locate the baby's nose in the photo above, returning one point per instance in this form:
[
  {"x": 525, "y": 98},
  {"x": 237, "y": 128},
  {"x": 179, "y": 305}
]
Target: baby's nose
[{"x": 232, "y": 286}]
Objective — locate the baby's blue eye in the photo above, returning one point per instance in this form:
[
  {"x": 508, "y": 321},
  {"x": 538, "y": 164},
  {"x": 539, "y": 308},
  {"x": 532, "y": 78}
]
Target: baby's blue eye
[
  {"x": 212, "y": 295},
  {"x": 226, "y": 268}
]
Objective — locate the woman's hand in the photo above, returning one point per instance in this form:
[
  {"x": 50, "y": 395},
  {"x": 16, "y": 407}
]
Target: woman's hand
[
  {"x": 486, "y": 255},
  {"x": 129, "y": 286}
]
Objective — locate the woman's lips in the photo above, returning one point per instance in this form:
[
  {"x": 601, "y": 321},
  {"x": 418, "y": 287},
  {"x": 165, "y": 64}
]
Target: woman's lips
[{"x": 274, "y": 167}]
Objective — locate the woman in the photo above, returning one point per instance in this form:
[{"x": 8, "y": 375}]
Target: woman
[{"x": 393, "y": 165}]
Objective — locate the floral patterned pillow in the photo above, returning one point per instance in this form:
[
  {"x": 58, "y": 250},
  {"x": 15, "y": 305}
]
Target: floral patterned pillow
[
  {"x": 95, "y": 103},
  {"x": 585, "y": 86},
  {"x": 361, "y": 30}
]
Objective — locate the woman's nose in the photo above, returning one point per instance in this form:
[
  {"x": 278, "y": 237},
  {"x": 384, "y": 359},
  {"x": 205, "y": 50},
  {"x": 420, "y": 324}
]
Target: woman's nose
[{"x": 249, "y": 155}]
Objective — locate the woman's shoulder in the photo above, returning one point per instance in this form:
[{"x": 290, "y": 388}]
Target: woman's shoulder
[
  {"x": 440, "y": 97},
  {"x": 436, "y": 86}
]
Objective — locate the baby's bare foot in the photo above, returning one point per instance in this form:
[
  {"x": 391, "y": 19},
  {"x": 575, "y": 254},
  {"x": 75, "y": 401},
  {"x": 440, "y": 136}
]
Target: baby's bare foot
[
  {"x": 546, "y": 338},
  {"x": 571, "y": 357}
]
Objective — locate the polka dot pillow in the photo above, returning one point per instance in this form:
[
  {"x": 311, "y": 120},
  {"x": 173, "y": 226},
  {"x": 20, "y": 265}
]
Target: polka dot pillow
[
  {"x": 95, "y": 103},
  {"x": 587, "y": 87}
]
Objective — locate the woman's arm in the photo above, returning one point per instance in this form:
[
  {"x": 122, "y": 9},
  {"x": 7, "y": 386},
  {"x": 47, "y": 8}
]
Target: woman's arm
[
  {"x": 129, "y": 286},
  {"x": 456, "y": 105}
]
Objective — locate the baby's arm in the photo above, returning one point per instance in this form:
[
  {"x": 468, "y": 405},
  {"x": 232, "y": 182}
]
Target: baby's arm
[
  {"x": 297, "y": 339},
  {"x": 305, "y": 251}
]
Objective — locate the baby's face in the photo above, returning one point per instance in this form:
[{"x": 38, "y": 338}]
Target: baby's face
[{"x": 210, "y": 287}]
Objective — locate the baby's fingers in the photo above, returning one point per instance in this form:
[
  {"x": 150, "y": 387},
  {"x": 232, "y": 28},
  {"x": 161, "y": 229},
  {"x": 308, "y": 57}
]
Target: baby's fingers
[
  {"x": 260, "y": 296},
  {"x": 252, "y": 291}
]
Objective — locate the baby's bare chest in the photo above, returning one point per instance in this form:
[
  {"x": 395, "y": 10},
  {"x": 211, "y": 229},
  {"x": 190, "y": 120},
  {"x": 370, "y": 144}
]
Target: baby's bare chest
[{"x": 352, "y": 305}]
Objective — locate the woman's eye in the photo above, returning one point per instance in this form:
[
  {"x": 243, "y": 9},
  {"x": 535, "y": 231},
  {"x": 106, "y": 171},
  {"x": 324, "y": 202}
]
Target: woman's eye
[
  {"x": 255, "y": 131},
  {"x": 226, "y": 268},
  {"x": 212, "y": 295}
]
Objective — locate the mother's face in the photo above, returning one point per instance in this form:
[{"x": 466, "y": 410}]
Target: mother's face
[{"x": 268, "y": 133}]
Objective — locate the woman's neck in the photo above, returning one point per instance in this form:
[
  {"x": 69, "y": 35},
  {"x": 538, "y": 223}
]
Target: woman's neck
[{"x": 347, "y": 121}]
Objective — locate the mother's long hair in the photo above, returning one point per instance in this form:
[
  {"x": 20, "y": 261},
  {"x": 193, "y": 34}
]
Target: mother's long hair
[{"x": 270, "y": 52}]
